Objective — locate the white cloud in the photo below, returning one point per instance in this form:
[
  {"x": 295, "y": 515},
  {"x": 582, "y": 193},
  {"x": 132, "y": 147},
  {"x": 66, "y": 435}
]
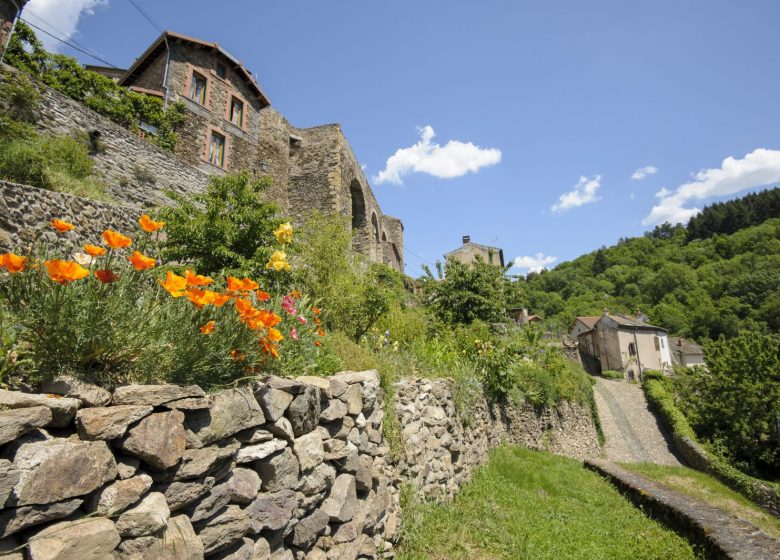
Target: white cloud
[
  {"x": 454, "y": 159},
  {"x": 534, "y": 263},
  {"x": 584, "y": 192},
  {"x": 58, "y": 17},
  {"x": 643, "y": 172},
  {"x": 758, "y": 168}
]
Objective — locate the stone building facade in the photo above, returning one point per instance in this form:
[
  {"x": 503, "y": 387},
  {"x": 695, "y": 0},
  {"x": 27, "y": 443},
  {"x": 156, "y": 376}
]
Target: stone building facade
[
  {"x": 230, "y": 126},
  {"x": 468, "y": 253},
  {"x": 9, "y": 10}
]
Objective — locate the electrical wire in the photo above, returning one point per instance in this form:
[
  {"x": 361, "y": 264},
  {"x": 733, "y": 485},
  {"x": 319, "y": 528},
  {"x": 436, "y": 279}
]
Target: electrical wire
[
  {"x": 146, "y": 16},
  {"x": 71, "y": 45}
]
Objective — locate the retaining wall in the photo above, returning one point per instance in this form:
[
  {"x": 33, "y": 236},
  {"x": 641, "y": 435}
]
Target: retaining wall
[{"x": 279, "y": 469}]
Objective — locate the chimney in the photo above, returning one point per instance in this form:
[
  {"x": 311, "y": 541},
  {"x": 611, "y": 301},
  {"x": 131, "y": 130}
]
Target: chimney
[
  {"x": 525, "y": 316},
  {"x": 606, "y": 311},
  {"x": 681, "y": 342},
  {"x": 466, "y": 239}
]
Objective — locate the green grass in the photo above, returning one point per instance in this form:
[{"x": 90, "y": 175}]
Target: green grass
[
  {"x": 702, "y": 486},
  {"x": 531, "y": 505}
]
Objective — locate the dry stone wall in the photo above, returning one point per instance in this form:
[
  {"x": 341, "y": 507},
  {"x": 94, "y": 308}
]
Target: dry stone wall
[{"x": 280, "y": 469}]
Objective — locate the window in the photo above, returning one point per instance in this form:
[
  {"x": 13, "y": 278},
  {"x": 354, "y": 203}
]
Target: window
[
  {"x": 236, "y": 112},
  {"x": 217, "y": 150},
  {"x": 657, "y": 343},
  {"x": 198, "y": 88},
  {"x": 631, "y": 349},
  {"x": 221, "y": 70}
]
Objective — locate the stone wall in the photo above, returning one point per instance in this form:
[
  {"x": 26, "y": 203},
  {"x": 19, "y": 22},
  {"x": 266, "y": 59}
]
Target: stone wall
[
  {"x": 8, "y": 12},
  {"x": 25, "y": 213},
  {"x": 280, "y": 469}
]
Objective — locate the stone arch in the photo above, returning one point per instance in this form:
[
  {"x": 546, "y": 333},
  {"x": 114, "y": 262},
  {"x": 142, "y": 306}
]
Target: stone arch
[
  {"x": 374, "y": 227},
  {"x": 384, "y": 236},
  {"x": 358, "y": 205}
]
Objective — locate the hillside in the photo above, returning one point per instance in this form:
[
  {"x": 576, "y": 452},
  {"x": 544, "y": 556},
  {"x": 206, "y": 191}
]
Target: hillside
[{"x": 696, "y": 287}]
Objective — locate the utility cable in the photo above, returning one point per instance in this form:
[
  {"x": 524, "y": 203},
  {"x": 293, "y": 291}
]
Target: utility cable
[{"x": 146, "y": 16}]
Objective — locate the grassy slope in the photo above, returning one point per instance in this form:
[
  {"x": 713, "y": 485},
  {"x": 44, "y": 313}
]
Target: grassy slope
[
  {"x": 526, "y": 504},
  {"x": 707, "y": 489}
]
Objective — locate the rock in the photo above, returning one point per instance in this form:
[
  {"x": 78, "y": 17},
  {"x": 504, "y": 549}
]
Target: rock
[
  {"x": 279, "y": 471},
  {"x": 254, "y": 435},
  {"x": 282, "y": 554},
  {"x": 343, "y": 454},
  {"x": 350, "y": 377},
  {"x": 197, "y": 463},
  {"x": 316, "y": 554},
  {"x": 262, "y": 550},
  {"x": 109, "y": 422},
  {"x": 242, "y": 550},
  {"x": 7, "y": 546},
  {"x": 181, "y": 494},
  {"x": 17, "y": 422},
  {"x": 83, "y": 539},
  {"x": 149, "y": 516},
  {"x": 191, "y": 441},
  {"x": 67, "y": 386},
  {"x": 309, "y": 528},
  {"x": 321, "y": 478},
  {"x": 120, "y": 495},
  {"x": 272, "y": 511},
  {"x": 323, "y": 383},
  {"x": 337, "y": 387},
  {"x": 210, "y": 504},
  {"x": 56, "y": 469},
  {"x": 259, "y": 451},
  {"x": 309, "y": 451},
  {"x": 336, "y": 410},
  {"x": 364, "y": 474},
  {"x": 127, "y": 466},
  {"x": 351, "y": 530},
  {"x": 13, "y": 520},
  {"x": 291, "y": 386},
  {"x": 233, "y": 410},
  {"x": 354, "y": 399},
  {"x": 342, "y": 501},
  {"x": 9, "y": 478},
  {"x": 360, "y": 421},
  {"x": 177, "y": 542},
  {"x": 223, "y": 530},
  {"x": 370, "y": 395},
  {"x": 243, "y": 485},
  {"x": 154, "y": 395},
  {"x": 304, "y": 411},
  {"x": 273, "y": 402},
  {"x": 158, "y": 439},
  {"x": 191, "y": 403},
  {"x": 63, "y": 409},
  {"x": 283, "y": 429}
]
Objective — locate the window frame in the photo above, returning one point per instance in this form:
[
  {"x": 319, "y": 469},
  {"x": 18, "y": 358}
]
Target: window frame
[
  {"x": 234, "y": 99},
  {"x": 192, "y": 73},
  {"x": 222, "y": 161}
]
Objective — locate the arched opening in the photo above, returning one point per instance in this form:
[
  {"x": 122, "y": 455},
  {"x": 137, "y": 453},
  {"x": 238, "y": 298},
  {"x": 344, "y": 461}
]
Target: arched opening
[
  {"x": 358, "y": 205},
  {"x": 384, "y": 236},
  {"x": 375, "y": 227}
]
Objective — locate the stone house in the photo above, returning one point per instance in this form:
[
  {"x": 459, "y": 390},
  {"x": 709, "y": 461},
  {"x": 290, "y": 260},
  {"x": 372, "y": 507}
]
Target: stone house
[
  {"x": 468, "y": 252},
  {"x": 686, "y": 353},
  {"x": 626, "y": 344},
  {"x": 522, "y": 318},
  {"x": 581, "y": 325}
]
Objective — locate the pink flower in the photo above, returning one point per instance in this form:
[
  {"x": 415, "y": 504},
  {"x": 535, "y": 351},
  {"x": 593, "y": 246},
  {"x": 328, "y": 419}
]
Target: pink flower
[
  {"x": 294, "y": 333},
  {"x": 288, "y": 304},
  {"x": 302, "y": 320}
]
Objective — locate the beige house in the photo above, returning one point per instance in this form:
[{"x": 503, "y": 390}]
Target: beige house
[
  {"x": 686, "y": 353},
  {"x": 521, "y": 317},
  {"x": 468, "y": 252},
  {"x": 625, "y": 344}
]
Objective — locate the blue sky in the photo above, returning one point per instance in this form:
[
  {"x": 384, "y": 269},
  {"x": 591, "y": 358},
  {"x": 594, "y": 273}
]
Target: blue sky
[{"x": 519, "y": 123}]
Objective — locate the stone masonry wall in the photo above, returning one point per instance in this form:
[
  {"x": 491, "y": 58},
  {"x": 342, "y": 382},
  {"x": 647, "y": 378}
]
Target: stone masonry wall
[{"x": 280, "y": 469}]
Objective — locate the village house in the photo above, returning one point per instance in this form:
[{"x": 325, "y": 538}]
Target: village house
[
  {"x": 686, "y": 353},
  {"x": 621, "y": 343},
  {"x": 522, "y": 318},
  {"x": 468, "y": 253}
]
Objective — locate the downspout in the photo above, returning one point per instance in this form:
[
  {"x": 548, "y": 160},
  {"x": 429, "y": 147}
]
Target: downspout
[
  {"x": 638, "y": 359},
  {"x": 11, "y": 31},
  {"x": 165, "y": 74}
]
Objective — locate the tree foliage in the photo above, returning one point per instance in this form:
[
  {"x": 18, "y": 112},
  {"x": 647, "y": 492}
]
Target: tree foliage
[{"x": 733, "y": 215}]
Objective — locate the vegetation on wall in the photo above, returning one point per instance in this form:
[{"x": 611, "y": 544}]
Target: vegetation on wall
[{"x": 100, "y": 93}]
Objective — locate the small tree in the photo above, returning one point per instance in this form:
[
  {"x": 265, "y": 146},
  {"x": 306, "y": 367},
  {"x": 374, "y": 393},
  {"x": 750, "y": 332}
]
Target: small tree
[{"x": 228, "y": 228}]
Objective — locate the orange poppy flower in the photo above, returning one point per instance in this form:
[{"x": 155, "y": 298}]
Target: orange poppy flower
[
  {"x": 106, "y": 276},
  {"x": 64, "y": 272},
  {"x": 196, "y": 279},
  {"x": 13, "y": 263},
  {"x": 208, "y": 328},
  {"x": 220, "y": 299},
  {"x": 199, "y": 298},
  {"x": 315, "y": 310},
  {"x": 268, "y": 347},
  {"x": 116, "y": 240},
  {"x": 174, "y": 284},
  {"x": 262, "y": 296},
  {"x": 244, "y": 307},
  {"x": 320, "y": 332},
  {"x": 242, "y": 285},
  {"x": 237, "y": 355},
  {"x": 141, "y": 261},
  {"x": 274, "y": 335},
  {"x": 147, "y": 224},
  {"x": 317, "y": 343},
  {"x": 61, "y": 225},
  {"x": 94, "y": 250},
  {"x": 295, "y": 294},
  {"x": 268, "y": 318}
]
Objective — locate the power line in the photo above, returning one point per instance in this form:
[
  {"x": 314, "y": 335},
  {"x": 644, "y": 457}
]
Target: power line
[
  {"x": 57, "y": 29},
  {"x": 146, "y": 16},
  {"x": 71, "y": 45}
]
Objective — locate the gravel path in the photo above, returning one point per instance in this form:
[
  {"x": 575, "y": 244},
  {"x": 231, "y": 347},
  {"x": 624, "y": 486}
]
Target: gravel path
[{"x": 631, "y": 430}]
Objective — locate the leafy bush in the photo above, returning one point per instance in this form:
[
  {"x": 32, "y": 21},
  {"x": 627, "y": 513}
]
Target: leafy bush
[
  {"x": 115, "y": 317},
  {"x": 226, "y": 229},
  {"x": 612, "y": 374}
]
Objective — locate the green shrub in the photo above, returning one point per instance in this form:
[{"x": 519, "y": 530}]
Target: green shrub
[
  {"x": 652, "y": 374},
  {"x": 612, "y": 374}
]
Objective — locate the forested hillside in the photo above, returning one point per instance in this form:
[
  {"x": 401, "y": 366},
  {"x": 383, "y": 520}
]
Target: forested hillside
[{"x": 716, "y": 276}]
